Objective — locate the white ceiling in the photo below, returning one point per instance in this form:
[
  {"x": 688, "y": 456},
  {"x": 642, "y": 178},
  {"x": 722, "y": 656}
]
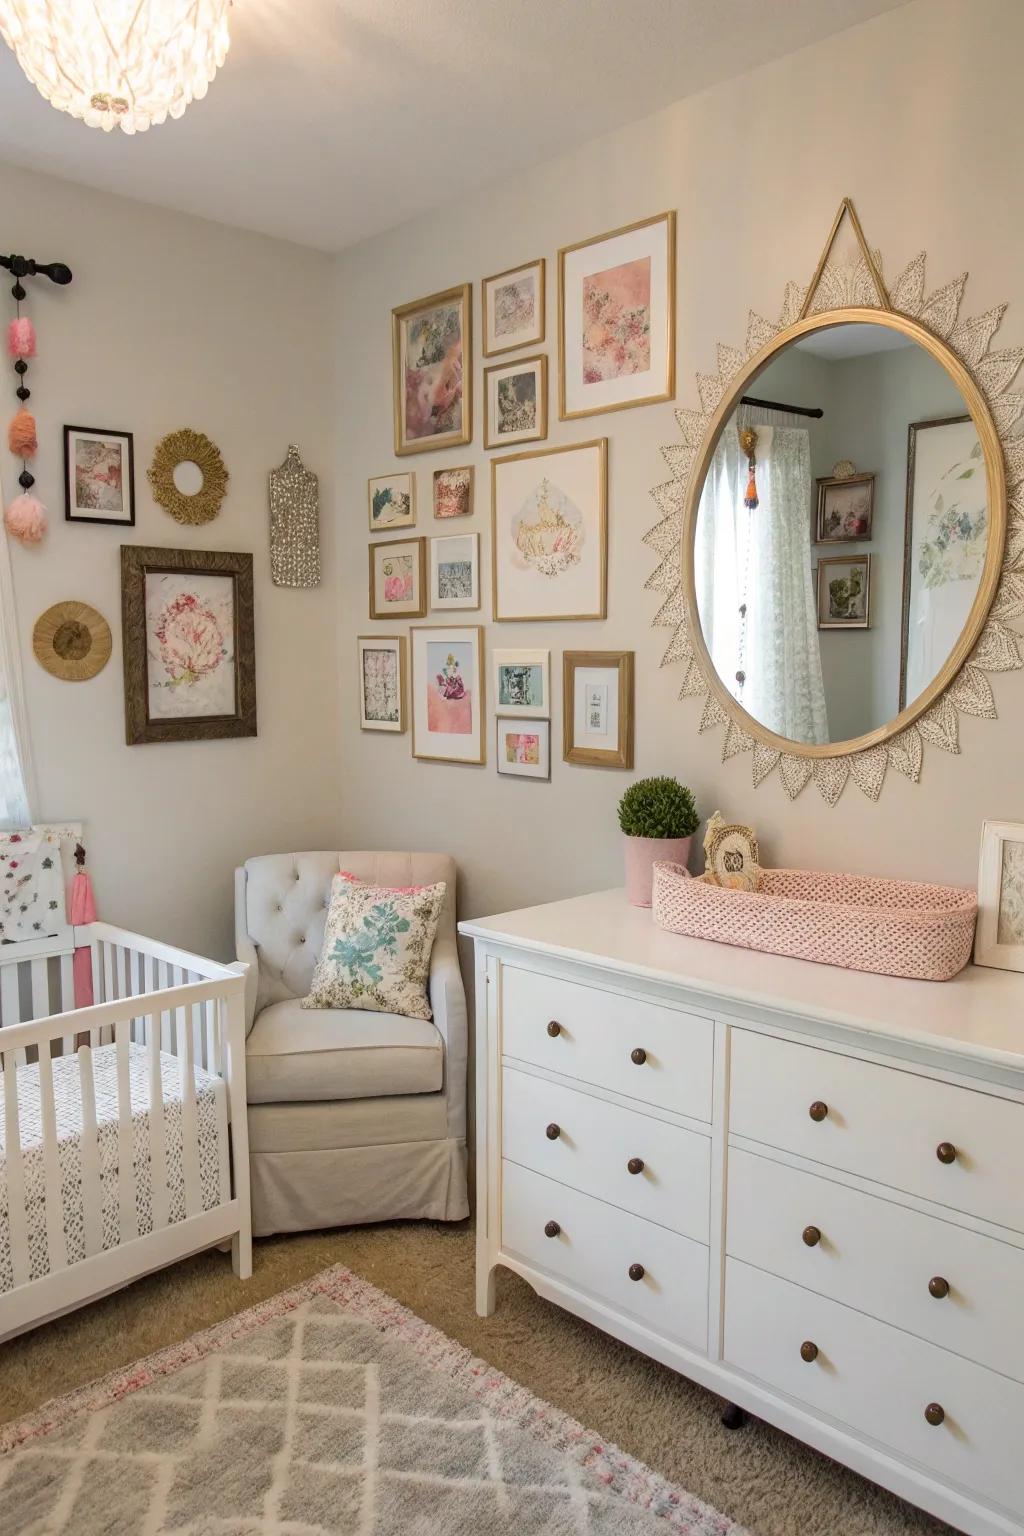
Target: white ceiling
[
  {"x": 859, "y": 340},
  {"x": 335, "y": 119}
]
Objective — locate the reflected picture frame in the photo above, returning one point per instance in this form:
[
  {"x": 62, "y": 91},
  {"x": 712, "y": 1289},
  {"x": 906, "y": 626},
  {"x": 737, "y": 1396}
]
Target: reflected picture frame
[{"x": 829, "y": 571}]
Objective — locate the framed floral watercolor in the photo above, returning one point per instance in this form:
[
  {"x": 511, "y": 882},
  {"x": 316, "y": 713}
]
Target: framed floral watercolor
[
  {"x": 516, "y": 402},
  {"x": 455, "y": 571},
  {"x": 448, "y": 694},
  {"x": 844, "y": 592},
  {"x": 432, "y": 358},
  {"x": 617, "y": 319},
  {"x": 845, "y": 509},
  {"x": 549, "y": 516},
  {"x": 513, "y": 308},
  {"x": 391, "y": 502},
  {"x": 523, "y": 747},
  {"x": 382, "y": 682},
  {"x": 189, "y": 645},
  {"x": 99, "y": 476},
  {"x": 999, "y": 938},
  {"x": 453, "y": 492},
  {"x": 398, "y": 579},
  {"x": 522, "y": 683},
  {"x": 597, "y": 708}
]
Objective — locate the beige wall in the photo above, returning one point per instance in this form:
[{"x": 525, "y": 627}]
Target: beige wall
[
  {"x": 171, "y": 321},
  {"x": 914, "y": 116}
]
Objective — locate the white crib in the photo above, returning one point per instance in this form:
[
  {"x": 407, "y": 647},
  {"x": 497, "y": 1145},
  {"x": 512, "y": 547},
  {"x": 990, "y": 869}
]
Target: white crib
[{"x": 123, "y": 1138}]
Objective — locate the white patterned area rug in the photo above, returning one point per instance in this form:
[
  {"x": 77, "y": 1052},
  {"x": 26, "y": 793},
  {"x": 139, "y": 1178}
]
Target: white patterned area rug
[{"x": 330, "y": 1410}]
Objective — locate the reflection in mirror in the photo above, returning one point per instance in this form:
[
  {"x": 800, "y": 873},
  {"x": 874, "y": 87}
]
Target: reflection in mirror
[{"x": 838, "y": 548}]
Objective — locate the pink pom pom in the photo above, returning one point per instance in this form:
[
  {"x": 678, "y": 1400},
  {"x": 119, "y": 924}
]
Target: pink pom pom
[
  {"x": 26, "y": 519},
  {"x": 21, "y": 435},
  {"x": 21, "y": 338}
]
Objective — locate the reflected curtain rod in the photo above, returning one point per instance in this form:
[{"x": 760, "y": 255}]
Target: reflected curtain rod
[{"x": 776, "y": 405}]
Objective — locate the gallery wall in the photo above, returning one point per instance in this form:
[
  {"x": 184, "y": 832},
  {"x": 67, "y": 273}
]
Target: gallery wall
[
  {"x": 170, "y": 322},
  {"x": 913, "y": 116}
]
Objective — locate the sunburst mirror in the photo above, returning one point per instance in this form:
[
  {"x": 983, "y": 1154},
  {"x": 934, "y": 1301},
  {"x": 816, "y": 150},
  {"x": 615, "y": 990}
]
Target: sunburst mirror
[{"x": 841, "y": 561}]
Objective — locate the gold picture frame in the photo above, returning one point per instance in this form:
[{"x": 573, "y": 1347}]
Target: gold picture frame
[
  {"x": 399, "y": 647},
  {"x": 668, "y": 344},
  {"x": 598, "y": 711},
  {"x": 827, "y": 483},
  {"x": 527, "y": 338},
  {"x": 498, "y": 466},
  {"x": 444, "y": 366},
  {"x": 405, "y": 519},
  {"x": 391, "y": 547},
  {"x": 454, "y": 469},
  {"x": 860, "y": 620},
  {"x": 448, "y": 635},
  {"x": 537, "y": 363}
]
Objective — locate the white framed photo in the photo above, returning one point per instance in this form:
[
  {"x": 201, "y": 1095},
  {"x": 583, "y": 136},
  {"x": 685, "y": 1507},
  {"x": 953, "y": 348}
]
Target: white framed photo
[
  {"x": 455, "y": 571},
  {"x": 448, "y": 693},
  {"x": 999, "y": 938},
  {"x": 382, "y": 683},
  {"x": 391, "y": 502},
  {"x": 513, "y": 306},
  {"x": 523, "y": 747},
  {"x": 522, "y": 683},
  {"x": 516, "y": 402}
]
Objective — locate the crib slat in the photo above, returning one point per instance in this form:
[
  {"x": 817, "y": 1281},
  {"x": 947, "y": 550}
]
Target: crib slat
[
  {"x": 66, "y": 1001},
  {"x": 15, "y": 1170},
  {"x": 97, "y": 986},
  {"x": 190, "y": 1119},
  {"x": 125, "y": 1168},
  {"x": 10, "y": 1005},
  {"x": 40, "y": 988},
  {"x": 55, "y": 1242},
  {"x": 92, "y": 1187},
  {"x": 213, "y": 1056},
  {"x": 157, "y": 1138}
]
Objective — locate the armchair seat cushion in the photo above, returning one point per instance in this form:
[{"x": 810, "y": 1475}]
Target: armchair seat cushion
[{"x": 297, "y": 1055}]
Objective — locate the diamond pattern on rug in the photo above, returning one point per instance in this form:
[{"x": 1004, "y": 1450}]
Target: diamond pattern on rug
[{"x": 314, "y": 1422}]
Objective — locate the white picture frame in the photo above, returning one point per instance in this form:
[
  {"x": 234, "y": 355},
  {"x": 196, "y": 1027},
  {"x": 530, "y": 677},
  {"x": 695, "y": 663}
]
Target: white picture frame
[
  {"x": 522, "y": 683},
  {"x": 522, "y": 747},
  {"x": 549, "y": 533},
  {"x": 999, "y": 936},
  {"x": 383, "y": 683},
  {"x": 455, "y": 571},
  {"x": 448, "y": 718}
]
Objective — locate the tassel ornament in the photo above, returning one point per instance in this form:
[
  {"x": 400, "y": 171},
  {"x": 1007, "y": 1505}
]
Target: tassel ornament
[
  {"x": 21, "y": 337},
  {"x": 748, "y": 443},
  {"x": 25, "y": 519},
  {"x": 21, "y": 435}
]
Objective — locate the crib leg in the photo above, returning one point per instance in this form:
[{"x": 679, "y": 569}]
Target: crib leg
[{"x": 241, "y": 1255}]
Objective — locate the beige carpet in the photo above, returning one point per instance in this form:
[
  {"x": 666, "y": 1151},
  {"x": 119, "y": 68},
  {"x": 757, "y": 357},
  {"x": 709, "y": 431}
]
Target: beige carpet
[{"x": 764, "y": 1480}]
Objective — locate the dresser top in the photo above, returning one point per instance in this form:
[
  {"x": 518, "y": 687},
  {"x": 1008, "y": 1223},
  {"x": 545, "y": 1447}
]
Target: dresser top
[{"x": 980, "y": 1013}]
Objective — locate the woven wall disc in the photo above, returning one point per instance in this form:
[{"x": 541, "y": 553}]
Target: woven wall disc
[
  {"x": 72, "y": 641},
  {"x": 188, "y": 447}
]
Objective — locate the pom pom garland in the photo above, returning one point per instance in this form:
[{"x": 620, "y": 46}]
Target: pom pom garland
[
  {"x": 21, "y": 337},
  {"x": 25, "y": 519},
  {"x": 21, "y": 435}
]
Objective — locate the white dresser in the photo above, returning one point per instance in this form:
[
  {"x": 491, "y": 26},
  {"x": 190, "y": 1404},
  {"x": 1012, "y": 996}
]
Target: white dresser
[{"x": 802, "y": 1187}]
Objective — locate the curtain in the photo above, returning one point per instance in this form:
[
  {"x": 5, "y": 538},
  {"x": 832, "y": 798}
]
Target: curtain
[
  {"x": 15, "y": 757},
  {"x": 753, "y": 577}
]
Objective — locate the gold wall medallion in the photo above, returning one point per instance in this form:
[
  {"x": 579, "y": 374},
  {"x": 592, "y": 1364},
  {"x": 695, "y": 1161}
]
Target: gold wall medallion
[
  {"x": 72, "y": 641},
  {"x": 187, "y": 446}
]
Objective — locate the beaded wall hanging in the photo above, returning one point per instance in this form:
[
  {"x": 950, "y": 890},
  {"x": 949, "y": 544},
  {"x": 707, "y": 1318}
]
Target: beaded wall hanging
[{"x": 25, "y": 516}]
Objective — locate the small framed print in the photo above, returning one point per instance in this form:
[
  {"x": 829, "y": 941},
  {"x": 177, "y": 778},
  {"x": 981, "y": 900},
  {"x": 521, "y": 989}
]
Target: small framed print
[
  {"x": 455, "y": 571},
  {"x": 453, "y": 492},
  {"x": 432, "y": 359},
  {"x": 522, "y": 683},
  {"x": 391, "y": 502},
  {"x": 516, "y": 402},
  {"x": 382, "y": 683},
  {"x": 597, "y": 708},
  {"x": 845, "y": 509},
  {"x": 523, "y": 747},
  {"x": 99, "y": 476},
  {"x": 844, "y": 592},
  {"x": 513, "y": 308},
  {"x": 448, "y": 694},
  {"x": 999, "y": 939},
  {"x": 398, "y": 579},
  {"x": 549, "y": 519}
]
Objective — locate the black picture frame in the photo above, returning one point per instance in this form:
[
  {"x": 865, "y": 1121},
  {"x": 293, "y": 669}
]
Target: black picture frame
[{"x": 71, "y": 515}]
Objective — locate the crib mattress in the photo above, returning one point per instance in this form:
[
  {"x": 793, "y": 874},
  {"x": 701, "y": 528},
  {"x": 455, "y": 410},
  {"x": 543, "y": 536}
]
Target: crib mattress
[{"x": 212, "y": 1132}]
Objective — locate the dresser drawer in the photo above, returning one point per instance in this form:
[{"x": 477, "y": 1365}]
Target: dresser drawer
[
  {"x": 881, "y": 1123},
  {"x": 592, "y": 1145},
  {"x": 880, "y": 1258},
  {"x": 657, "y": 1055},
  {"x": 594, "y": 1247},
  {"x": 879, "y": 1381}
]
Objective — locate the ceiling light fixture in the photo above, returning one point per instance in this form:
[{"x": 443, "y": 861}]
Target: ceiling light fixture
[{"x": 118, "y": 63}]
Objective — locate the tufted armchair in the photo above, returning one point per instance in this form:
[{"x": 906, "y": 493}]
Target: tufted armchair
[{"x": 353, "y": 1116}]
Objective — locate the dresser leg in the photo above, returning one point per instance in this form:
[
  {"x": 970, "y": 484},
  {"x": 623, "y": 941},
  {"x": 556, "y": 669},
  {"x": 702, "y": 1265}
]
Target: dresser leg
[
  {"x": 485, "y": 1302},
  {"x": 734, "y": 1417}
]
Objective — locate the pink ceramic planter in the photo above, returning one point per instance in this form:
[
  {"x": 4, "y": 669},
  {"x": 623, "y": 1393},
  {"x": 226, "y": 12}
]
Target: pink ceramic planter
[{"x": 642, "y": 853}]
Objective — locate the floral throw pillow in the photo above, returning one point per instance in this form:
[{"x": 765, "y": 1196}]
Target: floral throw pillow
[{"x": 377, "y": 945}]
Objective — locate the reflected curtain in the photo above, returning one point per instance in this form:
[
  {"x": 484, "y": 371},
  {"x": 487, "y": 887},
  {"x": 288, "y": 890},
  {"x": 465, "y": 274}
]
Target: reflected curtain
[
  {"x": 753, "y": 579},
  {"x": 15, "y": 761}
]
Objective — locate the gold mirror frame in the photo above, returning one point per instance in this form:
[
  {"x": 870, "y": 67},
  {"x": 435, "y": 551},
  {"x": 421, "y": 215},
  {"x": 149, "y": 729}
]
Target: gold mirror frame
[{"x": 839, "y": 295}]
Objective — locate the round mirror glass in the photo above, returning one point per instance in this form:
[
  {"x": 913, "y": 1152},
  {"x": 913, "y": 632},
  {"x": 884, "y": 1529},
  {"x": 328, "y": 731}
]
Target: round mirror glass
[{"x": 841, "y": 533}]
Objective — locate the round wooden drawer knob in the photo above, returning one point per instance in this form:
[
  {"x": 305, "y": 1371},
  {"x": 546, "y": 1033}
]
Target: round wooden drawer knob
[
  {"x": 551, "y": 1229},
  {"x": 636, "y": 1271},
  {"x": 638, "y": 1057},
  {"x": 554, "y": 1028},
  {"x": 946, "y": 1152},
  {"x": 818, "y": 1110},
  {"x": 938, "y": 1287},
  {"x": 808, "y": 1351},
  {"x": 553, "y": 1132},
  {"x": 935, "y": 1413},
  {"x": 635, "y": 1165},
  {"x": 811, "y": 1236}
]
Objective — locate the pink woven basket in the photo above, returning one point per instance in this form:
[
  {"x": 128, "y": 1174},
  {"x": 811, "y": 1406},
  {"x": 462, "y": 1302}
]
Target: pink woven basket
[{"x": 893, "y": 927}]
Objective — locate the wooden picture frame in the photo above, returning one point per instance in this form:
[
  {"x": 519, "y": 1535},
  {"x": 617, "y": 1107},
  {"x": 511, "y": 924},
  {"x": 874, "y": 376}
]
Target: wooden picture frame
[
  {"x": 493, "y": 326},
  {"x": 494, "y": 419},
  {"x": 449, "y": 659},
  {"x": 585, "y": 579},
  {"x": 397, "y": 646},
  {"x": 827, "y": 618},
  {"x": 436, "y": 489},
  {"x": 444, "y": 366},
  {"x": 380, "y": 494},
  {"x": 151, "y": 600},
  {"x": 999, "y": 937},
  {"x": 415, "y": 607},
  {"x": 861, "y": 522},
  {"x": 77, "y": 512},
  {"x": 607, "y": 716}
]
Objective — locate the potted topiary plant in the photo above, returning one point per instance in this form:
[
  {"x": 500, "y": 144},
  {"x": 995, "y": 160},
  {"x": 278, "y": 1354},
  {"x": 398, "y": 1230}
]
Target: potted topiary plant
[{"x": 659, "y": 818}]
